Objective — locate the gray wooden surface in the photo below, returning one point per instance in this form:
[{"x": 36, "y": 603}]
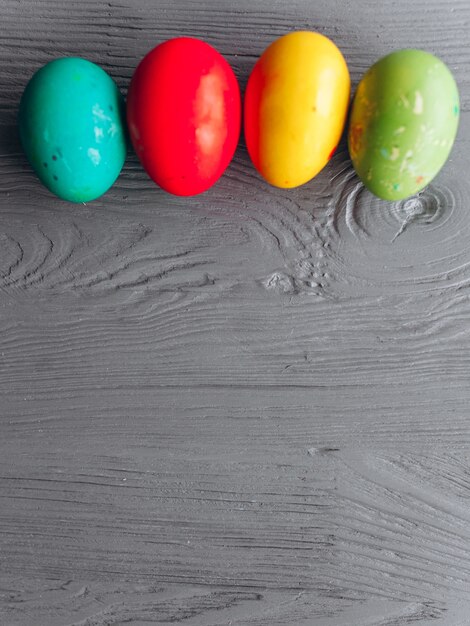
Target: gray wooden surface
[{"x": 249, "y": 407}]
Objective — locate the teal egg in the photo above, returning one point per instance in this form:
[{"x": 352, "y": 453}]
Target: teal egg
[{"x": 72, "y": 128}]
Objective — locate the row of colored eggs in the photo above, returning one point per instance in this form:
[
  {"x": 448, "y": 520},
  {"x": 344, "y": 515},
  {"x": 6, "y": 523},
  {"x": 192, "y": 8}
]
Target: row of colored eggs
[{"x": 184, "y": 118}]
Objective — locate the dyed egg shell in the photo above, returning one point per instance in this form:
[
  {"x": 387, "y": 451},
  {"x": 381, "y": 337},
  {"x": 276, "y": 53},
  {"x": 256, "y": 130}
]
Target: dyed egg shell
[
  {"x": 296, "y": 103},
  {"x": 71, "y": 123},
  {"x": 403, "y": 123},
  {"x": 184, "y": 111}
]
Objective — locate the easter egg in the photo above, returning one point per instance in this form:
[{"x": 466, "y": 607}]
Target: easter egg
[
  {"x": 403, "y": 123},
  {"x": 183, "y": 112},
  {"x": 296, "y": 103},
  {"x": 71, "y": 124}
]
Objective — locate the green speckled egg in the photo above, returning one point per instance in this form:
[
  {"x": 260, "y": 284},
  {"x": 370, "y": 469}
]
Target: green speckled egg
[
  {"x": 72, "y": 128},
  {"x": 403, "y": 123}
]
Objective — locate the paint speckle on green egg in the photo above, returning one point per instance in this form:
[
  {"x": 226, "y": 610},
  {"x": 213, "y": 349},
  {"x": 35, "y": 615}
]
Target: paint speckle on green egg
[
  {"x": 72, "y": 128},
  {"x": 403, "y": 123}
]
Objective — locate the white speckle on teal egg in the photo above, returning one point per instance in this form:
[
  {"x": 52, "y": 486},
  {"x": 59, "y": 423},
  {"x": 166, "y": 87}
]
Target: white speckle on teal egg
[
  {"x": 113, "y": 129},
  {"x": 94, "y": 156},
  {"x": 98, "y": 134},
  {"x": 99, "y": 114},
  {"x": 66, "y": 164}
]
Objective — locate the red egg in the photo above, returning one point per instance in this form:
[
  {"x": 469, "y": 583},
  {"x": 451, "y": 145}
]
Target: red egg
[{"x": 184, "y": 115}]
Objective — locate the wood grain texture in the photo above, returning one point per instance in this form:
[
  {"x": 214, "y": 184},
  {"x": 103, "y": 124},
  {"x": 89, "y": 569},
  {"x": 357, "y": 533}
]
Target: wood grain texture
[{"x": 250, "y": 407}]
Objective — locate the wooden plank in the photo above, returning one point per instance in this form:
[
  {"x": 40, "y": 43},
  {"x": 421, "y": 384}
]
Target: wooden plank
[{"x": 248, "y": 407}]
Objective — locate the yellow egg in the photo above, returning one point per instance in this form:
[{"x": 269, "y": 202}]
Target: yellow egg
[{"x": 296, "y": 104}]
